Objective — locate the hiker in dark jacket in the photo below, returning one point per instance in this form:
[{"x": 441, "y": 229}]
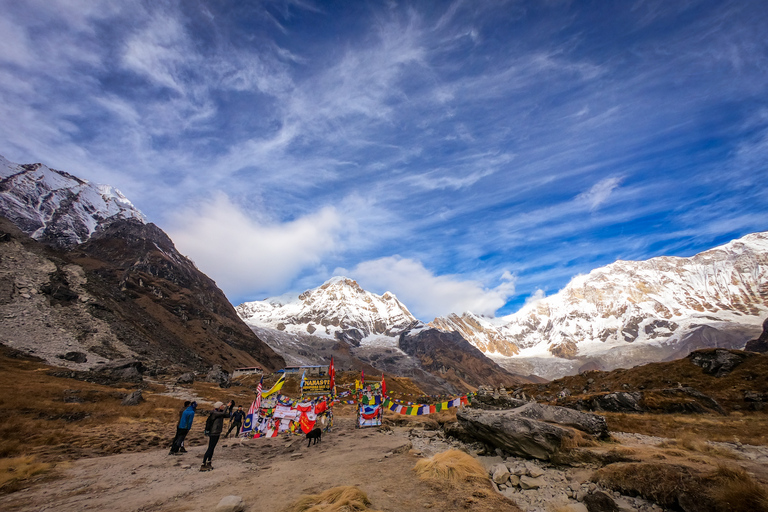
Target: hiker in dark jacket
[
  {"x": 217, "y": 415},
  {"x": 237, "y": 421},
  {"x": 182, "y": 429}
]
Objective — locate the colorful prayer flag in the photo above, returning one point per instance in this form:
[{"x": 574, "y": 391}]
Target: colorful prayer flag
[{"x": 277, "y": 387}]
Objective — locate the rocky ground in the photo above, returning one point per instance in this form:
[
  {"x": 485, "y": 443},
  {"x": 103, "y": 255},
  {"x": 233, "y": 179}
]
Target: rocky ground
[{"x": 269, "y": 473}]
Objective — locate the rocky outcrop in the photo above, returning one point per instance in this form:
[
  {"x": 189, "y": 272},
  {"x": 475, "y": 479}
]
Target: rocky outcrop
[
  {"x": 760, "y": 344},
  {"x": 515, "y": 434},
  {"x": 495, "y": 399},
  {"x": 717, "y": 362},
  {"x": 682, "y": 400},
  {"x": 592, "y": 424}
]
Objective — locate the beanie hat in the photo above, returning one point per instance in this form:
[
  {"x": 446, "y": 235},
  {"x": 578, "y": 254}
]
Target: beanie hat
[{"x": 217, "y": 405}]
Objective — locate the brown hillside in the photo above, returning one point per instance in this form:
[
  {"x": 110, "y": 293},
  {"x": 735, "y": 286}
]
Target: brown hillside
[{"x": 126, "y": 292}]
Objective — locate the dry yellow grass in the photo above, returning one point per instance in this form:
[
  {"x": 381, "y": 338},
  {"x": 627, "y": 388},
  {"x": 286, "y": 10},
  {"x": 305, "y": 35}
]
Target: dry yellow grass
[
  {"x": 737, "y": 491},
  {"x": 452, "y": 466},
  {"x": 16, "y": 471},
  {"x": 337, "y": 499},
  {"x": 55, "y": 419},
  {"x": 694, "y": 444},
  {"x": 747, "y": 428}
]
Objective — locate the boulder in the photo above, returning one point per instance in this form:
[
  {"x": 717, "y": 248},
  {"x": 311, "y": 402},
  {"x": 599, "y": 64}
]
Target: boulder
[
  {"x": 718, "y": 362},
  {"x": 586, "y": 422},
  {"x": 186, "y": 378},
  {"x": 230, "y": 504},
  {"x": 500, "y": 474},
  {"x": 457, "y": 431},
  {"x": 599, "y": 501},
  {"x": 134, "y": 398},
  {"x": 528, "y": 482},
  {"x": 218, "y": 376},
  {"x": 617, "y": 402},
  {"x": 533, "y": 470},
  {"x": 513, "y": 433}
]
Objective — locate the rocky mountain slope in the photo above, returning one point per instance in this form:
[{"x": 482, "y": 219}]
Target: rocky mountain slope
[
  {"x": 57, "y": 208},
  {"x": 124, "y": 292},
  {"x": 632, "y": 312}
]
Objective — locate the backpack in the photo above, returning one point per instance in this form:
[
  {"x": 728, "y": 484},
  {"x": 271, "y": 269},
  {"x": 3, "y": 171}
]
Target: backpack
[{"x": 208, "y": 425}]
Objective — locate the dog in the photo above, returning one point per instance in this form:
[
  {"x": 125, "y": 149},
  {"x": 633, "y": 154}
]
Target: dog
[{"x": 315, "y": 435}]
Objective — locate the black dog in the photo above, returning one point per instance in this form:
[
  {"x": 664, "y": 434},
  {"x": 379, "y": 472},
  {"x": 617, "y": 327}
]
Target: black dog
[{"x": 316, "y": 435}]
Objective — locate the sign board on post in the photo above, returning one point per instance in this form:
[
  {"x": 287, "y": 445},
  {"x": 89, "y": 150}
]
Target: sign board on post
[{"x": 317, "y": 385}]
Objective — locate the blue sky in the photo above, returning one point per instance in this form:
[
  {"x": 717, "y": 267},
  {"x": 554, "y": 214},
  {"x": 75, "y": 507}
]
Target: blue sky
[{"x": 463, "y": 155}]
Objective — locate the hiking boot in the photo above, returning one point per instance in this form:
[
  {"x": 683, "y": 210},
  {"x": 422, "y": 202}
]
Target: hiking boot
[
  {"x": 209, "y": 466},
  {"x": 182, "y": 450},
  {"x": 205, "y": 467}
]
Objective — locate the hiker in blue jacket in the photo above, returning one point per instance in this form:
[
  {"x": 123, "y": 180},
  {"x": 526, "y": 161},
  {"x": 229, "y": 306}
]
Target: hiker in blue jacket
[{"x": 185, "y": 423}]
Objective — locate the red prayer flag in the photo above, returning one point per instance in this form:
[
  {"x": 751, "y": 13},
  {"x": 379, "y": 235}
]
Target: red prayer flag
[
  {"x": 332, "y": 372},
  {"x": 383, "y": 385}
]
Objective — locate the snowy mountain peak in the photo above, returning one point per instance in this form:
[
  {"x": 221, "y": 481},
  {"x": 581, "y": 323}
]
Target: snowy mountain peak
[
  {"x": 58, "y": 208},
  {"x": 628, "y": 305},
  {"x": 338, "y": 309}
]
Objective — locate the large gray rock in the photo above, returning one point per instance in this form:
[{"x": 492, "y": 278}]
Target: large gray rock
[
  {"x": 218, "y": 376},
  {"x": 186, "y": 378},
  {"x": 513, "y": 433},
  {"x": 586, "y": 422},
  {"x": 230, "y": 504}
]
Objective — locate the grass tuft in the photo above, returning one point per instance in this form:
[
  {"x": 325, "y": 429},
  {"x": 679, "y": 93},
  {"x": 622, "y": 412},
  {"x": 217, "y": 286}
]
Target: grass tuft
[
  {"x": 735, "y": 490},
  {"x": 452, "y": 466},
  {"x": 337, "y": 499}
]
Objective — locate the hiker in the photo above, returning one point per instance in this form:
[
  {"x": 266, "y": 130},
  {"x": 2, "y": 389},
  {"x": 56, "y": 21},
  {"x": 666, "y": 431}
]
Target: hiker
[
  {"x": 236, "y": 421},
  {"x": 182, "y": 429},
  {"x": 187, "y": 403},
  {"x": 213, "y": 426}
]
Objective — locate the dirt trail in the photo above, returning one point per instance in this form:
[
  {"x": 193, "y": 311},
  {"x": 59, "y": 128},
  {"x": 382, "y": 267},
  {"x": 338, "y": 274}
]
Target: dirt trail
[{"x": 267, "y": 473}]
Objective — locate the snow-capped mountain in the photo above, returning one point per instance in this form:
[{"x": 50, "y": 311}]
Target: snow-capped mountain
[
  {"x": 479, "y": 331},
  {"x": 57, "y": 208},
  {"x": 364, "y": 330},
  {"x": 632, "y": 311},
  {"x": 339, "y": 309}
]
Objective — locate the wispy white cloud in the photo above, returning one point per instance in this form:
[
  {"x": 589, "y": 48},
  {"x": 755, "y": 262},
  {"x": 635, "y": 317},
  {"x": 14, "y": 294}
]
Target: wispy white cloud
[
  {"x": 247, "y": 255},
  {"x": 600, "y": 192},
  {"x": 426, "y": 294}
]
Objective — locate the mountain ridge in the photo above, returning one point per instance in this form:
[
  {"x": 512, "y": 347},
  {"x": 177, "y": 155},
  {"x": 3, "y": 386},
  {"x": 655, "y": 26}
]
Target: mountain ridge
[{"x": 634, "y": 306}]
